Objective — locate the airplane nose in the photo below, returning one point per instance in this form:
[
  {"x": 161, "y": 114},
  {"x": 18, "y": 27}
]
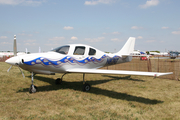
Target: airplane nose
[{"x": 13, "y": 60}]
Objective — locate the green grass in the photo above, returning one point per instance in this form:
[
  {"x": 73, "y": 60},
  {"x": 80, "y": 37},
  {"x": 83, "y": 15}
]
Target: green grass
[{"x": 111, "y": 97}]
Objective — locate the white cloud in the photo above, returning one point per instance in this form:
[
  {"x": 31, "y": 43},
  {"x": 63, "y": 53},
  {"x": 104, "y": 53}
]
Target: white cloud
[
  {"x": 113, "y": 33},
  {"x": 34, "y": 2},
  {"x": 94, "y": 39},
  {"x": 24, "y": 34},
  {"x": 136, "y": 27},
  {"x": 11, "y": 2},
  {"x": 3, "y": 37},
  {"x": 30, "y": 41},
  {"x": 162, "y": 41},
  {"x": 95, "y": 2},
  {"x": 74, "y": 38},
  {"x": 116, "y": 33},
  {"x": 24, "y": 2},
  {"x": 165, "y": 28},
  {"x": 30, "y": 44},
  {"x": 176, "y": 32},
  {"x": 105, "y": 33},
  {"x": 68, "y": 28},
  {"x": 91, "y": 3},
  {"x": 139, "y": 37},
  {"x": 150, "y": 41},
  {"x": 116, "y": 39},
  {"x": 53, "y": 45},
  {"x": 149, "y": 4},
  {"x": 5, "y": 43},
  {"x": 57, "y": 38}
]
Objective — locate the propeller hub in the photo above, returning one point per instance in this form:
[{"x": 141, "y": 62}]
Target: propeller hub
[{"x": 13, "y": 61}]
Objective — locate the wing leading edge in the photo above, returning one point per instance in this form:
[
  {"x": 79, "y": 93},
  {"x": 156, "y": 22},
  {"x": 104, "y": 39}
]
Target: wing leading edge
[{"x": 101, "y": 71}]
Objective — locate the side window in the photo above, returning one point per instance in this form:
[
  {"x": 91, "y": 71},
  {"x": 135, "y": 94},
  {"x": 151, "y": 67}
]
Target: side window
[
  {"x": 79, "y": 50},
  {"x": 92, "y": 51}
]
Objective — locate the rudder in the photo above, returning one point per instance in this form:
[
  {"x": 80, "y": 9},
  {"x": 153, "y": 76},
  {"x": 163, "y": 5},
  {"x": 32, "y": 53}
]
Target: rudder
[{"x": 128, "y": 47}]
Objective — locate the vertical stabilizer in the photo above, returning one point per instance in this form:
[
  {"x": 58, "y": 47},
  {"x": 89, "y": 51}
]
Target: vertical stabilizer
[
  {"x": 15, "y": 46},
  {"x": 128, "y": 47}
]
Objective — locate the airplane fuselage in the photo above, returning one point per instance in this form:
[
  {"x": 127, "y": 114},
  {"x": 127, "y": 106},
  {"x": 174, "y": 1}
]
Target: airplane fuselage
[{"x": 77, "y": 56}]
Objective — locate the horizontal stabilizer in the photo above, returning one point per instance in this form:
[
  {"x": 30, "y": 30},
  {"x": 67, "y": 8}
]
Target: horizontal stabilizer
[{"x": 101, "y": 71}]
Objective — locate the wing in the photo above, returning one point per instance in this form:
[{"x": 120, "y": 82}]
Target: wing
[{"x": 101, "y": 71}]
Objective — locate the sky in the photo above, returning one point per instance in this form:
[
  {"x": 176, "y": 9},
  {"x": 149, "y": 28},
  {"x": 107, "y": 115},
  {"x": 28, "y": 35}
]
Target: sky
[{"x": 103, "y": 24}]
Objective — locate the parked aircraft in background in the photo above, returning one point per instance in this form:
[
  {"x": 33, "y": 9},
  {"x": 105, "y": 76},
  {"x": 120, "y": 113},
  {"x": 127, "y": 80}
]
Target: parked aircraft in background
[
  {"x": 7, "y": 54},
  {"x": 138, "y": 53},
  {"x": 173, "y": 54},
  {"x": 76, "y": 58}
]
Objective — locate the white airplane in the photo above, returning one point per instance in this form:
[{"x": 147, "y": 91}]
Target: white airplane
[{"x": 76, "y": 58}]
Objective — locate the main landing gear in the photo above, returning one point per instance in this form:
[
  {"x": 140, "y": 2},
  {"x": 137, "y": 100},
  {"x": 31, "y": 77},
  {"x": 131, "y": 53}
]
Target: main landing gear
[
  {"x": 59, "y": 80},
  {"x": 32, "y": 88},
  {"x": 86, "y": 86}
]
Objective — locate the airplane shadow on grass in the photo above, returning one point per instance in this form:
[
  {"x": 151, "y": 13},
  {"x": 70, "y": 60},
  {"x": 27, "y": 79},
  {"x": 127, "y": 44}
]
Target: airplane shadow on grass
[{"x": 98, "y": 91}]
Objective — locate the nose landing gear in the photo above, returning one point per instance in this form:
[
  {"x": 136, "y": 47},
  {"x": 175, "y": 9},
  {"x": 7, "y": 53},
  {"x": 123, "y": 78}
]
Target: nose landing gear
[{"x": 33, "y": 88}]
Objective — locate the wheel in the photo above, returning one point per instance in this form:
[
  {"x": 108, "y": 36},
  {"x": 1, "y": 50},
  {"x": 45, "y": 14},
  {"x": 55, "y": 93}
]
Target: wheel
[
  {"x": 32, "y": 89},
  {"x": 58, "y": 81},
  {"x": 86, "y": 87}
]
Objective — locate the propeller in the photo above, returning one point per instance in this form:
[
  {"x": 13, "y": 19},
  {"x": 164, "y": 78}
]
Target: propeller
[
  {"x": 9, "y": 68},
  {"x": 21, "y": 72},
  {"x": 11, "y": 60},
  {"x": 19, "y": 69},
  {"x": 15, "y": 46}
]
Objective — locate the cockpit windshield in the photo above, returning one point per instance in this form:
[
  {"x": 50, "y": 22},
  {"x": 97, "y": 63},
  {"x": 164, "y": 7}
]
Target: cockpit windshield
[{"x": 62, "y": 50}]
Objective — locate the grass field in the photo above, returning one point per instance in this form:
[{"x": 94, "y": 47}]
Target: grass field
[{"x": 111, "y": 97}]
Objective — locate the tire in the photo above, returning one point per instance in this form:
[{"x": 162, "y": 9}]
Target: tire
[
  {"x": 86, "y": 87},
  {"x": 32, "y": 89},
  {"x": 58, "y": 81}
]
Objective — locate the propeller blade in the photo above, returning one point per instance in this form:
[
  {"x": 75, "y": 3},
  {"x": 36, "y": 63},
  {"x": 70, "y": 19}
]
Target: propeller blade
[
  {"x": 15, "y": 46},
  {"x": 19, "y": 69},
  {"x": 9, "y": 68},
  {"x": 21, "y": 72}
]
